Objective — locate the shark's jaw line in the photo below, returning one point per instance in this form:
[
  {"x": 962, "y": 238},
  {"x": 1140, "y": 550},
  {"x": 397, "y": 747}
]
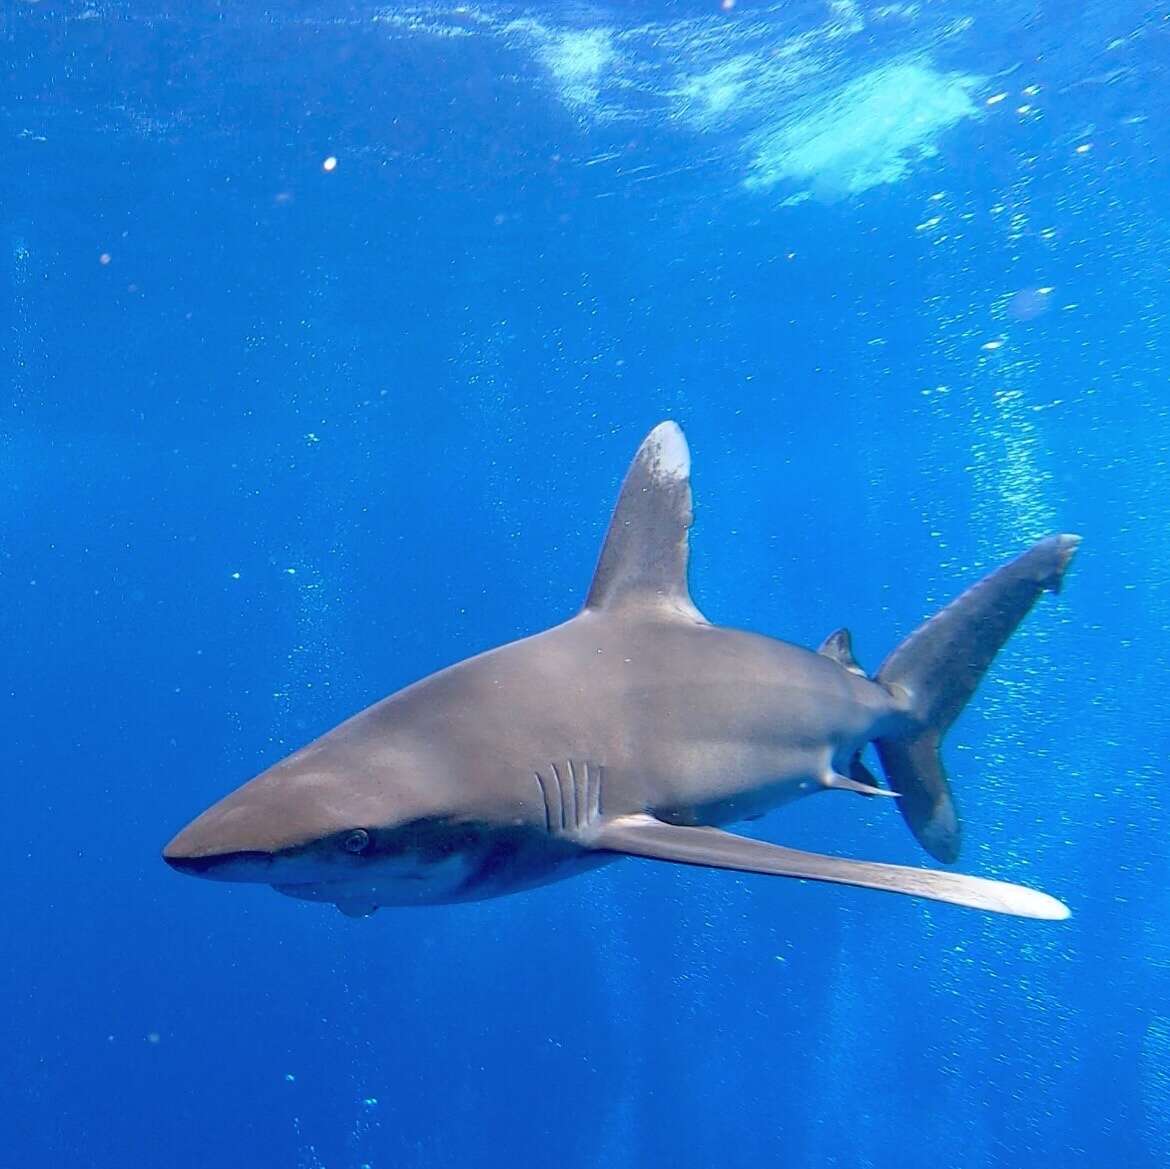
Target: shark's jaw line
[
  {"x": 637, "y": 728},
  {"x": 248, "y": 867}
]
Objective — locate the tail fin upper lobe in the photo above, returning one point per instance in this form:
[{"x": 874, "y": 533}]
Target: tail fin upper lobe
[{"x": 936, "y": 670}]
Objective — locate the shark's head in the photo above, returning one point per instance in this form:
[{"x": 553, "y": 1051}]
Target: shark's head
[{"x": 317, "y": 827}]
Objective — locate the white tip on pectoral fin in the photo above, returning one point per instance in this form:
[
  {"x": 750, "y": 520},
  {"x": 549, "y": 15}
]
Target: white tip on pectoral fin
[{"x": 1025, "y": 902}]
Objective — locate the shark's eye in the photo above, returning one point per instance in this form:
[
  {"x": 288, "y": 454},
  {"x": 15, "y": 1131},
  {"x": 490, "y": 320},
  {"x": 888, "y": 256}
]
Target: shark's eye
[{"x": 356, "y": 841}]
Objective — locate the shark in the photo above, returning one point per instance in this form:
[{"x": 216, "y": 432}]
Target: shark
[{"x": 637, "y": 728}]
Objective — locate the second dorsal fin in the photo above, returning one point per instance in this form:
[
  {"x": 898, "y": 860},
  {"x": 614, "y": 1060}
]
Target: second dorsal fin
[
  {"x": 839, "y": 646},
  {"x": 643, "y": 561}
]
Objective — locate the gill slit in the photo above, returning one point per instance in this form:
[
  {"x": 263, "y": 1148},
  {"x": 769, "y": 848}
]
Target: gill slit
[
  {"x": 570, "y": 792},
  {"x": 559, "y": 823},
  {"x": 544, "y": 795},
  {"x": 573, "y": 788}
]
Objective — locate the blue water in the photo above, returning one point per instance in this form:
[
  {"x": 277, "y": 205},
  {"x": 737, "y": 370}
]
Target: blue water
[{"x": 277, "y": 439}]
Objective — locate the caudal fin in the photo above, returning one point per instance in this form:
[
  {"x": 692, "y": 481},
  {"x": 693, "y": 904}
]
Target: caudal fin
[{"x": 936, "y": 670}]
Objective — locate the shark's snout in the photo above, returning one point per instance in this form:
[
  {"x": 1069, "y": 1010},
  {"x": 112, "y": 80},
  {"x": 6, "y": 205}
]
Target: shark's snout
[
  {"x": 280, "y": 827},
  {"x": 231, "y": 841},
  {"x": 192, "y": 853}
]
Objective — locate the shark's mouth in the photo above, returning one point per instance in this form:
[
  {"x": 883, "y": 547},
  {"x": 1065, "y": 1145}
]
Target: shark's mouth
[{"x": 228, "y": 866}]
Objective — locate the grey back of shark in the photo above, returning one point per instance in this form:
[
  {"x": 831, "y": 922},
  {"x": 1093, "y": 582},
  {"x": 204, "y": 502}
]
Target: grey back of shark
[{"x": 635, "y": 729}]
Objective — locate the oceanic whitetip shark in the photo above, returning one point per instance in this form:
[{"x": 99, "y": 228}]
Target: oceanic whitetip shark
[{"x": 637, "y": 728}]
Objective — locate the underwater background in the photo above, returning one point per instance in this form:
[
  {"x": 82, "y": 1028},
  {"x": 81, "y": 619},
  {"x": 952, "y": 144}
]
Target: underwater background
[{"x": 328, "y": 331}]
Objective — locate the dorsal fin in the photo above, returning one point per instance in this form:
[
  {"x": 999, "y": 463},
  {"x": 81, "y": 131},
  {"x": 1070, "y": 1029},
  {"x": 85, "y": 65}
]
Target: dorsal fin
[
  {"x": 839, "y": 646},
  {"x": 644, "y": 558}
]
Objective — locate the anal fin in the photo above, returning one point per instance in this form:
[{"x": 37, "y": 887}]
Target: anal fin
[{"x": 645, "y": 836}]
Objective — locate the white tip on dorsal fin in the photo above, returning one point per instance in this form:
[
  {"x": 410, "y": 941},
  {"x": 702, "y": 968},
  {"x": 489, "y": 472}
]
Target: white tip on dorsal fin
[{"x": 644, "y": 558}]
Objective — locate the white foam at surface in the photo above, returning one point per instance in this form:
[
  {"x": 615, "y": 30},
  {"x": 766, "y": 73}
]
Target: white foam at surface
[
  {"x": 866, "y": 134},
  {"x": 772, "y": 93},
  {"x": 579, "y": 61}
]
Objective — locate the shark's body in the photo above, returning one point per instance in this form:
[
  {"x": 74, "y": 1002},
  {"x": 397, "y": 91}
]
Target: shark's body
[{"x": 636, "y": 728}]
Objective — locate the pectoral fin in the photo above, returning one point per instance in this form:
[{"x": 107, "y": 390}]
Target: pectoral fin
[{"x": 645, "y": 836}]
